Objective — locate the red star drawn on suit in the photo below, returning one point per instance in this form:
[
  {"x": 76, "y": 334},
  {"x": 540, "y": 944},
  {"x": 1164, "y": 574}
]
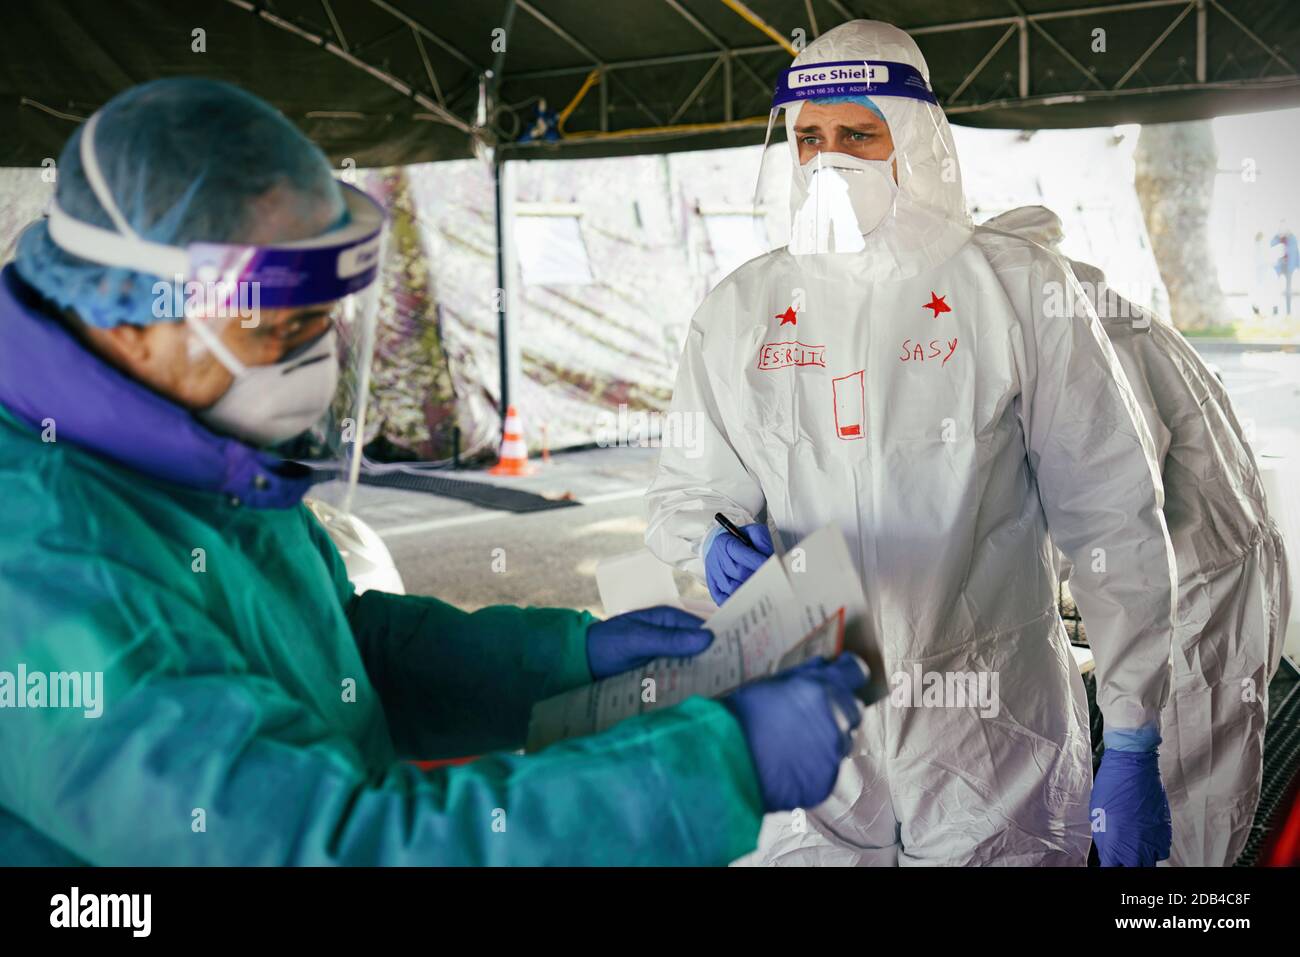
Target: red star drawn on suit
[
  {"x": 789, "y": 317},
  {"x": 937, "y": 304}
]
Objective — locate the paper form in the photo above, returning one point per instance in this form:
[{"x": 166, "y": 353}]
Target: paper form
[{"x": 789, "y": 610}]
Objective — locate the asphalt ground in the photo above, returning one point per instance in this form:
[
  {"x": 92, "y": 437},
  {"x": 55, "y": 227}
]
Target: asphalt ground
[{"x": 472, "y": 557}]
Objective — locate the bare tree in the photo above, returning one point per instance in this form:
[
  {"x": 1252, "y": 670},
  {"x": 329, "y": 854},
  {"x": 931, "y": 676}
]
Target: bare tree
[{"x": 1175, "y": 170}]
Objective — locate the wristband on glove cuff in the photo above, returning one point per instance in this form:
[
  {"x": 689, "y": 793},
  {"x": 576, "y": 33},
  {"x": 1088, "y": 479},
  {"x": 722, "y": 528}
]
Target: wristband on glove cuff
[{"x": 1131, "y": 739}]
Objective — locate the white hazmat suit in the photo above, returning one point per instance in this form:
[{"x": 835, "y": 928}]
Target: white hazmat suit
[
  {"x": 926, "y": 402},
  {"x": 1233, "y": 590}
]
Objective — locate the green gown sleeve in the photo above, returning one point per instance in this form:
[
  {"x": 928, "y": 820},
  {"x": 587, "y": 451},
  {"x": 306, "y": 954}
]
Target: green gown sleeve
[
  {"x": 188, "y": 764},
  {"x": 455, "y": 683},
  {"x": 670, "y": 788}
]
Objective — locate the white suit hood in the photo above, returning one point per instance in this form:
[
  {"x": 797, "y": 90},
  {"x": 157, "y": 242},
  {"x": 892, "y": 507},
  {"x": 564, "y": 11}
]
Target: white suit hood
[{"x": 929, "y": 221}]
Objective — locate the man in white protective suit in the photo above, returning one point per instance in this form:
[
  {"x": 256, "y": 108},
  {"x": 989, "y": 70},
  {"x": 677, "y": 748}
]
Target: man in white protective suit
[
  {"x": 1233, "y": 591},
  {"x": 913, "y": 386}
]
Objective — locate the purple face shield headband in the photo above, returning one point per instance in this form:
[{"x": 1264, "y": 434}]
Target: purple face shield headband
[
  {"x": 813, "y": 81},
  {"x": 282, "y": 275}
]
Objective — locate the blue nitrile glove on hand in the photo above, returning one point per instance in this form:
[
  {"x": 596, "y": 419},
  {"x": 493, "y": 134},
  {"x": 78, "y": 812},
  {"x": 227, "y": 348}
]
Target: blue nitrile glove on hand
[
  {"x": 797, "y": 725},
  {"x": 1130, "y": 811},
  {"x": 728, "y": 561},
  {"x": 638, "y": 637}
]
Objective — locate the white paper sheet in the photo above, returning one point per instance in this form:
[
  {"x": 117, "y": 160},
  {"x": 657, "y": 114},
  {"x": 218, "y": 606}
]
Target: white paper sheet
[
  {"x": 635, "y": 580},
  {"x": 792, "y": 608}
]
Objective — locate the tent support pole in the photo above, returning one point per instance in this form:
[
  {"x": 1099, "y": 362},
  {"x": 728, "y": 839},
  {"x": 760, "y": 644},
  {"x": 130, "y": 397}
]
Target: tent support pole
[{"x": 506, "y": 296}]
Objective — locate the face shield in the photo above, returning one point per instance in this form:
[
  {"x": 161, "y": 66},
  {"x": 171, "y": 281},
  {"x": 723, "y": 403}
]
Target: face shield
[
  {"x": 874, "y": 168},
  {"x": 292, "y": 322}
]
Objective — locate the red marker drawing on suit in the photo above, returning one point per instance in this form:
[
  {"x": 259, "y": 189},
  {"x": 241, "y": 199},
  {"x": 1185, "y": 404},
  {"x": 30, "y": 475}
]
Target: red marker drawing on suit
[
  {"x": 848, "y": 395},
  {"x": 780, "y": 355},
  {"x": 927, "y": 351},
  {"x": 789, "y": 317},
  {"x": 937, "y": 304}
]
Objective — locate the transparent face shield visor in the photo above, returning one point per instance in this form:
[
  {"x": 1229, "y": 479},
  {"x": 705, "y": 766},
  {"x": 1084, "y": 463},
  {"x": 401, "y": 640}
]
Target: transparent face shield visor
[
  {"x": 308, "y": 311},
  {"x": 837, "y": 198},
  {"x": 301, "y": 315}
]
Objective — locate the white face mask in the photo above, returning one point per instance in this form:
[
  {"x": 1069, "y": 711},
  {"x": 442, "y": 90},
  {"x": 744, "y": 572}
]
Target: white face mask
[
  {"x": 268, "y": 404},
  {"x": 838, "y": 199}
]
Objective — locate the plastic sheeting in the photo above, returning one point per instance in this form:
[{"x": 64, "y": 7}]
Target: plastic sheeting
[{"x": 599, "y": 354}]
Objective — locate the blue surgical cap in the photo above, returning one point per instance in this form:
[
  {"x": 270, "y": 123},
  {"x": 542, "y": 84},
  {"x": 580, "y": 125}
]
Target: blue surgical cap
[
  {"x": 186, "y": 160},
  {"x": 860, "y": 100}
]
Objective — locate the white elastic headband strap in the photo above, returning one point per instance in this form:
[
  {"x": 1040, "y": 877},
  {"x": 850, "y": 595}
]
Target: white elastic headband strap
[
  {"x": 109, "y": 248},
  {"x": 215, "y": 345},
  {"x": 95, "y": 176},
  {"x": 122, "y": 248},
  {"x": 129, "y": 251}
]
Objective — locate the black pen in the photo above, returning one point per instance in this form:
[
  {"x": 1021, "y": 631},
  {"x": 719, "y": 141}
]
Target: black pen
[{"x": 730, "y": 526}]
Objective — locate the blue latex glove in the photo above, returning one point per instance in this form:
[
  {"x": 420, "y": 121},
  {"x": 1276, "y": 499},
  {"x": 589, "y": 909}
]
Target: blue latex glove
[
  {"x": 636, "y": 638},
  {"x": 1130, "y": 812},
  {"x": 729, "y": 561},
  {"x": 795, "y": 737}
]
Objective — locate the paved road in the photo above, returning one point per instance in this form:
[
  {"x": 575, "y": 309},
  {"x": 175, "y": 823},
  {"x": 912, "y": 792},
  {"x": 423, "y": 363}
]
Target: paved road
[
  {"x": 473, "y": 557},
  {"x": 445, "y": 547},
  {"x": 1265, "y": 391}
]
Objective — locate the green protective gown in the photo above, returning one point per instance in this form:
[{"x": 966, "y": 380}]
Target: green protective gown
[{"x": 255, "y": 710}]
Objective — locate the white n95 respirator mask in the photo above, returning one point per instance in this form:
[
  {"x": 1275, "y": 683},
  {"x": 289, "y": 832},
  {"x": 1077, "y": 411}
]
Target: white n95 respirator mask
[
  {"x": 269, "y": 404},
  {"x": 837, "y": 199}
]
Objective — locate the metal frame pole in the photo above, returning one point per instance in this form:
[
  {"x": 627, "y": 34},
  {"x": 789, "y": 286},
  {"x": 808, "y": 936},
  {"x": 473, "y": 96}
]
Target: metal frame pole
[{"x": 508, "y": 344}]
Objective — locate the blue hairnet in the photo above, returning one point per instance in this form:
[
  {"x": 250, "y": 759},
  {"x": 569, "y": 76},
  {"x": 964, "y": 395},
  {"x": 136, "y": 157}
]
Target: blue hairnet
[
  {"x": 186, "y": 160},
  {"x": 860, "y": 100}
]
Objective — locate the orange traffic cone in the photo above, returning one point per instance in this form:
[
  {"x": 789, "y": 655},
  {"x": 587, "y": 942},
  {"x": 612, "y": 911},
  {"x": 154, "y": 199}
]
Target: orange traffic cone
[{"x": 513, "y": 459}]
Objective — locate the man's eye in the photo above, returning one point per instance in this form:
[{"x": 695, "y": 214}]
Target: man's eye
[
  {"x": 809, "y": 140},
  {"x": 859, "y": 136}
]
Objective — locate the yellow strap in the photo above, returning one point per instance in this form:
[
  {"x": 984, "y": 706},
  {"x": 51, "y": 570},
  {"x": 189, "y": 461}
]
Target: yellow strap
[{"x": 592, "y": 79}]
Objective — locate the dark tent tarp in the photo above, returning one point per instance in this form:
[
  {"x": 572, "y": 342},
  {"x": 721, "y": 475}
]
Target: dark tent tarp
[{"x": 397, "y": 81}]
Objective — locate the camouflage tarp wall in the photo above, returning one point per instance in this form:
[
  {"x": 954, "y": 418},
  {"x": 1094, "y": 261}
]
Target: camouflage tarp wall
[
  {"x": 587, "y": 348},
  {"x": 413, "y": 398}
]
